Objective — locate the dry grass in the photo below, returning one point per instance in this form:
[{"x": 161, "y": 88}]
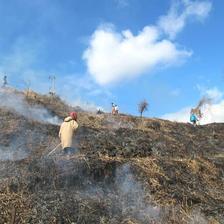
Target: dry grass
[{"x": 179, "y": 168}]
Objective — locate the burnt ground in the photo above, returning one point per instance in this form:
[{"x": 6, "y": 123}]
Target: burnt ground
[{"x": 125, "y": 170}]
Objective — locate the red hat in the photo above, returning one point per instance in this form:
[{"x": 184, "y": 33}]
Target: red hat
[{"x": 73, "y": 115}]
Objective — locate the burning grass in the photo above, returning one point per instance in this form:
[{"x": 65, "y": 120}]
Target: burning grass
[
  {"x": 82, "y": 189},
  {"x": 125, "y": 170}
]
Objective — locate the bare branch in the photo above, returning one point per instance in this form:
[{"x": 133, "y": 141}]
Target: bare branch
[{"x": 142, "y": 107}]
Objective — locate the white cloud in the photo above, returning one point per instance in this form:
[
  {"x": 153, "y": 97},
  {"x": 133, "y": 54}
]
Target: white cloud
[
  {"x": 211, "y": 93},
  {"x": 21, "y": 56},
  {"x": 122, "y": 3},
  {"x": 19, "y": 64},
  {"x": 181, "y": 116},
  {"x": 175, "y": 92},
  {"x": 180, "y": 12},
  {"x": 215, "y": 94},
  {"x": 213, "y": 112},
  {"x": 76, "y": 91},
  {"x": 87, "y": 106},
  {"x": 70, "y": 83},
  {"x": 112, "y": 56}
]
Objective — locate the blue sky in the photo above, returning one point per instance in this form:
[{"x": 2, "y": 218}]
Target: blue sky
[{"x": 169, "y": 53}]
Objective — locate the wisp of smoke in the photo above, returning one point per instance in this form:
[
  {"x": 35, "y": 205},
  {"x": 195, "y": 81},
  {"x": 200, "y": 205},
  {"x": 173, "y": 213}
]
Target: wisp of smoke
[
  {"x": 116, "y": 123},
  {"x": 205, "y": 100},
  {"x": 132, "y": 197},
  {"x": 197, "y": 217},
  {"x": 18, "y": 104},
  {"x": 8, "y": 153},
  {"x": 16, "y": 150}
]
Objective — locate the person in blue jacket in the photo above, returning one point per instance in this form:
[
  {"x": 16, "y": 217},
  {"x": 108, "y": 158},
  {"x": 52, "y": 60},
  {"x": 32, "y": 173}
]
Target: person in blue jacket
[{"x": 193, "y": 118}]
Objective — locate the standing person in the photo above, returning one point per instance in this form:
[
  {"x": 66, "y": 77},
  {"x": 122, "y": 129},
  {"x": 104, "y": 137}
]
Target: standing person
[
  {"x": 193, "y": 117},
  {"x": 113, "y": 109},
  {"x": 116, "y": 108},
  {"x": 66, "y": 132}
]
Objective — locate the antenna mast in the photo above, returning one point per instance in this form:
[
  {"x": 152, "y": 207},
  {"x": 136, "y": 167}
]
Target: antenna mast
[
  {"x": 52, "y": 91},
  {"x": 5, "y": 82}
]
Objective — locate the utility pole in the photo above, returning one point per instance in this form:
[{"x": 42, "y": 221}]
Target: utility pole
[
  {"x": 52, "y": 91},
  {"x": 27, "y": 87}
]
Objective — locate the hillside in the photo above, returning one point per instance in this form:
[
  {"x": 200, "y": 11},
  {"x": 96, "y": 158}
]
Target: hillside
[{"x": 125, "y": 170}]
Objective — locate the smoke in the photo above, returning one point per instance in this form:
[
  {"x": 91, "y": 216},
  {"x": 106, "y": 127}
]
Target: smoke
[
  {"x": 211, "y": 111},
  {"x": 12, "y": 153},
  {"x": 86, "y": 106},
  {"x": 114, "y": 123},
  {"x": 132, "y": 197},
  {"x": 15, "y": 149},
  {"x": 124, "y": 200},
  {"x": 18, "y": 145},
  {"x": 206, "y": 110},
  {"x": 197, "y": 217},
  {"x": 17, "y": 103},
  {"x": 126, "y": 197},
  {"x": 204, "y": 101},
  {"x": 131, "y": 200}
]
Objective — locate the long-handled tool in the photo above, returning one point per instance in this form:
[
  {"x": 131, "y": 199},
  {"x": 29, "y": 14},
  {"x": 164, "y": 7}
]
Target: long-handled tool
[{"x": 53, "y": 150}]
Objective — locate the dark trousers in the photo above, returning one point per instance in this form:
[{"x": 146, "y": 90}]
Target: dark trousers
[{"x": 69, "y": 150}]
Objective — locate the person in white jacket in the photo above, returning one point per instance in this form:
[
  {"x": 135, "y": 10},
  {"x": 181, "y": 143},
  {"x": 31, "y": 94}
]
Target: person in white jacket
[
  {"x": 66, "y": 132},
  {"x": 116, "y": 109}
]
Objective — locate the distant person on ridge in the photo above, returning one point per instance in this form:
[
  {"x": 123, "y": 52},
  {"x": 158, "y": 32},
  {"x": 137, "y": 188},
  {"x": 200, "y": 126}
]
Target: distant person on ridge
[
  {"x": 113, "y": 109},
  {"x": 116, "y": 108},
  {"x": 193, "y": 118},
  {"x": 66, "y": 132}
]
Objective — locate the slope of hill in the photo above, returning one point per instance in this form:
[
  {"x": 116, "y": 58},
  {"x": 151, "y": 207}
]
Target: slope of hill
[{"x": 125, "y": 170}]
